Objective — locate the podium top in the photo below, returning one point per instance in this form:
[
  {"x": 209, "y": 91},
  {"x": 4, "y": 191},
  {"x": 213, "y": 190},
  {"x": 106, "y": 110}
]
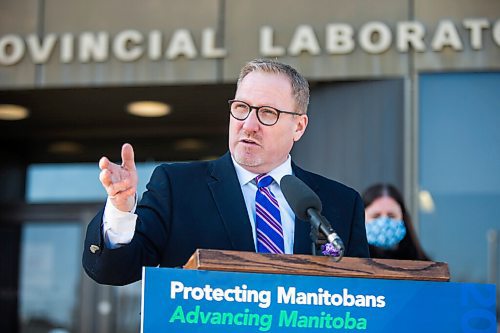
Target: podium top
[{"x": 236, "y": 261}]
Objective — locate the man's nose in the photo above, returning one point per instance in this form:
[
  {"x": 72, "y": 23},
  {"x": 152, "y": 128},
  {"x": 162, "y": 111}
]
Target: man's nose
[{"x": 252, "y": 122}]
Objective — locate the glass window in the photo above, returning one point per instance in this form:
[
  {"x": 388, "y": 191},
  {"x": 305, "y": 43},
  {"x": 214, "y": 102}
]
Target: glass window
[
  {"x": 73, "y": 182},
  {"x": 460, "y": 170},
  {"x": 50, "y": 275},
  {"x": 128, "y": 308}
]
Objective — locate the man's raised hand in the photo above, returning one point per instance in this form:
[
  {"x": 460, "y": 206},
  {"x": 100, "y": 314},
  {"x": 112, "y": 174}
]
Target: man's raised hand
[{"x": 120, "y": 181}]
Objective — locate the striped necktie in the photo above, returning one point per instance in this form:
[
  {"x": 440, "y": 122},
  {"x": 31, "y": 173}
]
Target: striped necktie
[{"x": 267, "y": 218}]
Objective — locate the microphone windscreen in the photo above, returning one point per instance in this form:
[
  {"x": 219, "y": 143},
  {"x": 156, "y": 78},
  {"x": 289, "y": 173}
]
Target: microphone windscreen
[{"x": 299, "y": 196}]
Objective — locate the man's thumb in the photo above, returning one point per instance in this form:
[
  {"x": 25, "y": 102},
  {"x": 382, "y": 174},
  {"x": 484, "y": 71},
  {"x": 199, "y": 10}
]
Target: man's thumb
[{"x": 128, "y": 156}]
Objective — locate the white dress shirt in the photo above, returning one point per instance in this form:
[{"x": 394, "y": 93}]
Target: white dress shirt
[
  {"x": 249, "y": 189},
  {"x": 119, "y": 227}
]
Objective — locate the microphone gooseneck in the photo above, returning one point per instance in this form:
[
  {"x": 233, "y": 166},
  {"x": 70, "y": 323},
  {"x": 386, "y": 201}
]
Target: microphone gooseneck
[{"x": 307, "y": 206}]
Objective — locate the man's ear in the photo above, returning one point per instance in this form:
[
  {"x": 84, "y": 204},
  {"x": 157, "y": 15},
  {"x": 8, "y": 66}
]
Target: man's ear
[{"x": 300, "y": 127}]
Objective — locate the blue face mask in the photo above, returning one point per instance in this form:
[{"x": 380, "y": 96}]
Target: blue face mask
[{"x": 385, "y": 232}]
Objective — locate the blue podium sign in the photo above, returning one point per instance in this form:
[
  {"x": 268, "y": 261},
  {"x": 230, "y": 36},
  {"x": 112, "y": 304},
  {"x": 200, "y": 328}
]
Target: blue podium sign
[{"x": 176, "y": 300}]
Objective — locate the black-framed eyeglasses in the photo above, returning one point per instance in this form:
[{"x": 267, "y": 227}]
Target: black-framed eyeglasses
[{"x": 266, "y": 115}]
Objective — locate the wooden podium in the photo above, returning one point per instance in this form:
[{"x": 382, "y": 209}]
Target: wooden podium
[
  {"x": 246, "y": 292},
  {"x": 250, "y": 262}
]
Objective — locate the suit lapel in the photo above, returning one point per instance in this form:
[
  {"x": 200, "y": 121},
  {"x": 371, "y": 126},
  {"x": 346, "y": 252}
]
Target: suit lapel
[
  {"x": 226, "y": 191},
  {"x": 302, "y": 240}
]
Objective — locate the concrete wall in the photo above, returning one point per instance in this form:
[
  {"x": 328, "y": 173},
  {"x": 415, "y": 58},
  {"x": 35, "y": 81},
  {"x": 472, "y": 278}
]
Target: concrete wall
[{"x": 168, "y": 41}]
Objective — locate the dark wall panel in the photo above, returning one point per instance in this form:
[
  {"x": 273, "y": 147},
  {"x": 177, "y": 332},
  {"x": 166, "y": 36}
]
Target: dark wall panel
[{"x": 355, "y": 132}]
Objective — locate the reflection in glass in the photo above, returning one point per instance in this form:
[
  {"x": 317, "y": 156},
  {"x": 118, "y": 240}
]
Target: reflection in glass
[
  {"x": 128, "y": 303},
  {"x": 49, "y": 277}
]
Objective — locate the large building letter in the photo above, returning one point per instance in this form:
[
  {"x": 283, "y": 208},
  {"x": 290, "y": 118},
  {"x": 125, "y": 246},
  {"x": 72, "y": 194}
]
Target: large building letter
[
  {"x": 123, "y": 45},
  {"x": 266, "y": 41},
  {"x": 11, "y": 50},
  {"x": 476, "y": 27},
  {"x": 383, "y": 37},
  {"x": 93, "y": 47},
  {"x": 181, "y": 44},
  {"x": 339, "y": 38},
  {"x": 154, "y": 45},
  {"x": 304, "y": 39},
  {"x": 446, "y": 35},
  {"x": 496, "y": 33},
  {"x": 40, "y": 50},
  {"x": 67, "y": 48},
  {"x": 410, "y": 34},
  {"x": 208, "y": 42}
]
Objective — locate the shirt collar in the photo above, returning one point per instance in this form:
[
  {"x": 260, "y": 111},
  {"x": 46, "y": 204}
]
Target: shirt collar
[{"x": 245, "y": 176}]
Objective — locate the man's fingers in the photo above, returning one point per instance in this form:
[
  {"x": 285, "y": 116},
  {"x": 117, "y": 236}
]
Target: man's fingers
[
  {"x": 128, "y": 157},
  {"x": 120, "y": 181},
  {"x": 121, "y": 187},
  {"x": 105, "y": 177},
  {"x": 113, "y": 183},
  {"x": 103, "y": 163},
  {"x": 115, "y": 192}
]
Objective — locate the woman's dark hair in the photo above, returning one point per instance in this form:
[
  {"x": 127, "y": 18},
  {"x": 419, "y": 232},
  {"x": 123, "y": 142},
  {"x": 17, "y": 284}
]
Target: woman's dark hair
[{"x": 409, "y": 247}]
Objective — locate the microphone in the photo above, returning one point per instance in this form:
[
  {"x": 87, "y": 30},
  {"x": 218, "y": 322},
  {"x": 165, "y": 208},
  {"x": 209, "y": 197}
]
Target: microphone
[{"x": 307, "y": 206}]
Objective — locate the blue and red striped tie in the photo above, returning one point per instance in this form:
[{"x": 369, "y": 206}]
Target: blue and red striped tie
[{"x": 267, "y": 218}]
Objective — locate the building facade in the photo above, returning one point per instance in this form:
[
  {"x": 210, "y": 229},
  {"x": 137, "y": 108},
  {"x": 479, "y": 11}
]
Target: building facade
[{"x": 404, "y": 92}]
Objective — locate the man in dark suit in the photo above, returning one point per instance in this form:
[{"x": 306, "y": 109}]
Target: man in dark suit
[{"x": 212, "y": 204}]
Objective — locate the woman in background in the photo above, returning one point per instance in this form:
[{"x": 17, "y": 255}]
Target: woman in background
[{"x": 389, "y": 228}]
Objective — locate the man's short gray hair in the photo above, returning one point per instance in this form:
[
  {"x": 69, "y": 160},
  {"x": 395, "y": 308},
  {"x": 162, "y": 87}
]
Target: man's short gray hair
[{"x": 300, "y": 86}]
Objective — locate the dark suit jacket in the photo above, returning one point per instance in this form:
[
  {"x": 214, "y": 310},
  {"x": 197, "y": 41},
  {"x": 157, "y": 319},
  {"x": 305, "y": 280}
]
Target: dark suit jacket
[{"x": 200, "y": 205}]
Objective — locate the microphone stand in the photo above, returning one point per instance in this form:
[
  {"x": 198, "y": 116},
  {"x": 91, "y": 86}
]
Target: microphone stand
[
  {"x": 320, "y": 223},
  {"x": 314, "y": 239}
]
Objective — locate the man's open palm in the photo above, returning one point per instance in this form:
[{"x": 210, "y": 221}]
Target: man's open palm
[{"x": 120, "y": 181}]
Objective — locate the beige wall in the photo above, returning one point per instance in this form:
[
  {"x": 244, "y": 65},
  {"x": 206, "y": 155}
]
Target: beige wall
[
  {"x": 430, "y": 12},
  {"x": 246, "y": 17},
  {"x": 238, "y": 24},
  {"x": 18, "y": 17},
  {"x": 114, "y": 16}
]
